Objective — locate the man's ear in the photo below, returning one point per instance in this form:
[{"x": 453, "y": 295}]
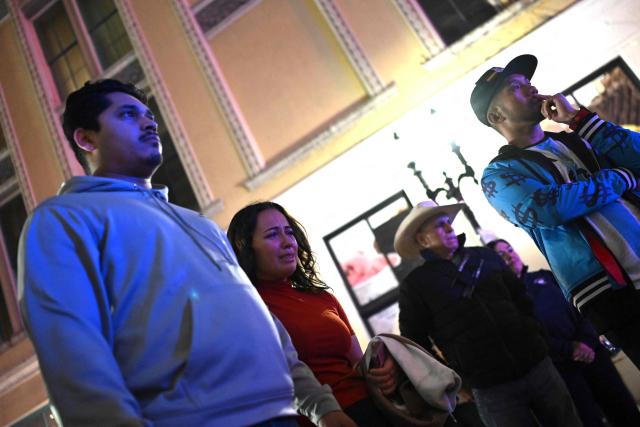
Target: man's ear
[
  {"x": 85, "y": 139},
  {"x": 422, "y": 239},
  {"x": 495, "y": 116}
]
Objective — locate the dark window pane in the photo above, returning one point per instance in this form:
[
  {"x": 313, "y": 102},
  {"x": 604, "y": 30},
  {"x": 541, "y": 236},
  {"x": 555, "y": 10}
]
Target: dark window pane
[
  {"x": 12, "y": 218},
  {"x": 71, "y": 70},
  {"x": 172, "y": 173},
  {"x": 217, "y": 11},
  {"x": 60, "y": 48},
  {"x": 6, "y": 331},
  {"x": 4, "y": 11},
  {"x": 106, "y": 30},
  {"x": 455, "y": 18},
  {"x": 132, "y": 73},
  {"x": 3, "y": 142},
  {"x": 6, "y": 169},
  {"x": 6, "y": 172}
]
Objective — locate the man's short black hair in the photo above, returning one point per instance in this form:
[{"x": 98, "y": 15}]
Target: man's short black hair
[{"x": 84, "y": 105}]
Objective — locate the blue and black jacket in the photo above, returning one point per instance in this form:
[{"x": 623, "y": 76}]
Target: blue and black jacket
[{"x": 527, "y": 188}]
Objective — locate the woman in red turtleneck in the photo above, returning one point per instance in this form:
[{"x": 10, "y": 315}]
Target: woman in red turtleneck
[{"x": 273, "y": 250}]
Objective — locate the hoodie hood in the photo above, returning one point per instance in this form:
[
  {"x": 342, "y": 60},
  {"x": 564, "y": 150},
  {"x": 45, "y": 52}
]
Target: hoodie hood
[{"x": 92, "y": 184}]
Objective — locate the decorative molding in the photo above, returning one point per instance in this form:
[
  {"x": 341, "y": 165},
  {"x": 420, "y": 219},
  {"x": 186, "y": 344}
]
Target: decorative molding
[
  {"x": 212, "y": 208},
  {"x": 242, "y": 137},
  {"x": 51, "y": 119},
  {"x": 421, "y": 26},
  {"x": 174, "y": 125},
  {"x": 321, "y": 139},
  {"x": 20, "y": 182},
  {"x": 19, "y": 374},
  {"x": 8, "y": 285},
  {"x": 367, "y": 75},
  {"x": 17, "y": 160}
]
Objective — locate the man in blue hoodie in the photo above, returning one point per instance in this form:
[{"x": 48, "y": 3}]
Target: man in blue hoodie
[
  {"x": 575, "y": 194},
  {"x": 137, "y": 308}
]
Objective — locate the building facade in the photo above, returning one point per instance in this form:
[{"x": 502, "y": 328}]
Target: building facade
[{"x": 253, "y": 96}]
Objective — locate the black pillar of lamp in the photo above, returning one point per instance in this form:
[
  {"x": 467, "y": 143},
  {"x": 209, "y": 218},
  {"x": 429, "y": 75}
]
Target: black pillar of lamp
[{"x": 451, "y": 188}]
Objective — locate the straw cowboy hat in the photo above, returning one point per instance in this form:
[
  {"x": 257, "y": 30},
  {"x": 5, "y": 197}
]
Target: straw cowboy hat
[{"x": 405, "y": 239}]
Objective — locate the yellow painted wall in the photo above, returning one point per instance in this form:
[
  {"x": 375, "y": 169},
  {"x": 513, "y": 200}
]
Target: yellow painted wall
[
  {"x": 287, "y": 71},
  {"x": 27, "y": 117},
  {"x": 390, "y": 44}
]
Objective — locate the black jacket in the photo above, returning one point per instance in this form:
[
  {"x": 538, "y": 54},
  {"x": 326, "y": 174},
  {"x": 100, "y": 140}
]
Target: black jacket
[
  {"x": 562, "y": 322},
  {"x": 478, "y": 315}
]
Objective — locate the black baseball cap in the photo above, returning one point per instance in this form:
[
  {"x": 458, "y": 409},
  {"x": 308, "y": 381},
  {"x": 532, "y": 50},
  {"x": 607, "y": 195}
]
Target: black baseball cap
[{"x": 487, "y": 86}]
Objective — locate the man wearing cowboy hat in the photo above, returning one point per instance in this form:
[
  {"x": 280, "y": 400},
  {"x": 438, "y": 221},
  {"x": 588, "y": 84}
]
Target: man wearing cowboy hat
[
  {"x": 469, "y": 303},
  {"x": 575, "y": 194}
]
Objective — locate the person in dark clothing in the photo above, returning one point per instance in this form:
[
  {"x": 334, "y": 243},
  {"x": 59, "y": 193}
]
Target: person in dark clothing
[
  {"x": 469, "y": 304},
  {"x": 575, "y": 349},
  {"x": 466, "y": 413}
]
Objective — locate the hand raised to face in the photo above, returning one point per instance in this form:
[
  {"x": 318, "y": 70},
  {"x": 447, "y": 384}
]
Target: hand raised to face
[{"x": 557, "y": 108}]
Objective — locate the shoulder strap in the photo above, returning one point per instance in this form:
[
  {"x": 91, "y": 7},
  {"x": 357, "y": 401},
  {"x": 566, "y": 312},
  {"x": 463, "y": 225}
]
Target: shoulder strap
[
  {"x": 525, "y": 157},
  {"x": 579, "y": 146}
]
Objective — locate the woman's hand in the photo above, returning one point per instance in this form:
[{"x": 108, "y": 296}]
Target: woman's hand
[
  {"x": 384, "y": 377},
  {"x": 582, "y": 352}
]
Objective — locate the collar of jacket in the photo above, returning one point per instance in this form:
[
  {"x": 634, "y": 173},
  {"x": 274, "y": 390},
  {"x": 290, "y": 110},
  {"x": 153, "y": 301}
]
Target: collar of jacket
[
  {"x": 510, "y": 151},
  {"x": 507, "y": 152}
]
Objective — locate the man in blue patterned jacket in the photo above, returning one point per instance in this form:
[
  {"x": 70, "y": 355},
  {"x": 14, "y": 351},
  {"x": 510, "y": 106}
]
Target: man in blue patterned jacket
[{"x": 574, "y": 193}]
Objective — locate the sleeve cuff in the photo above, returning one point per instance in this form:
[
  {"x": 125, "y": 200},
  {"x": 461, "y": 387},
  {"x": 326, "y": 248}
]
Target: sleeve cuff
[
  {"x": 318, "y": 404},
  {"x": 628, "y": 176},
  {"x": 586, "y": 123},
  {"x": 579, "y": 117}
]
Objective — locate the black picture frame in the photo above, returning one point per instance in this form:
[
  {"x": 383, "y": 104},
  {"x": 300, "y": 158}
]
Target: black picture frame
[
  {"x": 362, "y": 251},
  {"x": 613, "y": 91}
]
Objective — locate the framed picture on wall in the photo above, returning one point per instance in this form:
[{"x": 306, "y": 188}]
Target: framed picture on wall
[
  {"x": 362, "y": 250},
  {"x": 613, "y": 91}
]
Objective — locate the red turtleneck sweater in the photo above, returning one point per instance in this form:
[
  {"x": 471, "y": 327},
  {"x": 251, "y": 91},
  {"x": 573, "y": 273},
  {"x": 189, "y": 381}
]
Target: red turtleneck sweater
[{"x": 321, "y": 333}]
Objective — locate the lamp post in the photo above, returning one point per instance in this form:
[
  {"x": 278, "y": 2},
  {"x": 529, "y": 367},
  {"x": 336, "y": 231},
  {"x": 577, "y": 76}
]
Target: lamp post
[{"x": 451, "y": 188}]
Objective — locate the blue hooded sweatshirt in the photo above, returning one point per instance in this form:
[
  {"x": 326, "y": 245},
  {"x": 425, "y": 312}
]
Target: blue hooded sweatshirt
[{"x": 141, "y": 315}]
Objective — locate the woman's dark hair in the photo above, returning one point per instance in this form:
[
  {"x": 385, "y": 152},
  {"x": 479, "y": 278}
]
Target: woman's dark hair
[
  {"x": 240, "y": 234},
  {"x": 84, "y": 105},
  {"x": 492, "y": 244}
]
